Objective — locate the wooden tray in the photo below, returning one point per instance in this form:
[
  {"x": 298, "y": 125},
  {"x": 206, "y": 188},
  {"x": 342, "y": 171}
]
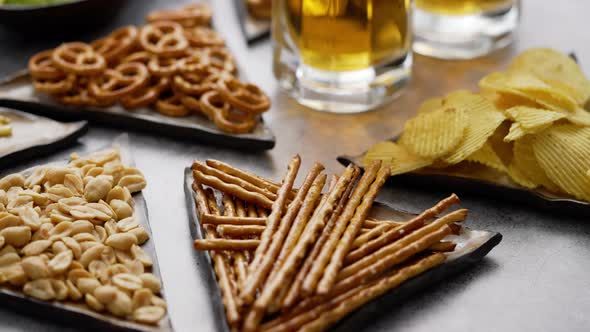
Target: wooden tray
[
  {"x": 33, "y": 136},
  {"x": 17, "y": 92},
  {"x": 78, "y": 315},
  {"x": 472, "y": 246}
]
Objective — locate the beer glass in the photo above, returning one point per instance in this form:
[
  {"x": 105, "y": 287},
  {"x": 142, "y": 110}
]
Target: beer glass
[
  {"x": 463, "y": 29},
  {"x": 342, "y": 56}
]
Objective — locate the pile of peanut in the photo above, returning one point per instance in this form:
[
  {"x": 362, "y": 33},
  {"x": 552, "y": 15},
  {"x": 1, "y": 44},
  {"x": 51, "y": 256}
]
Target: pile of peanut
[{"x": 70, "y": 234}]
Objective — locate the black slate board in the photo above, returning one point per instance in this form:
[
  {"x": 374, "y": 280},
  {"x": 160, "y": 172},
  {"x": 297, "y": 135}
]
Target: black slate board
[
  {"x": 17, "y": 92},
  {"x": 500, "y": 188},
  {"x": 472, "y": 246},
  {"x": 67, "y": 135},
  {"x": 72, "y": 315},
  {"x": 254, "y": 30}
]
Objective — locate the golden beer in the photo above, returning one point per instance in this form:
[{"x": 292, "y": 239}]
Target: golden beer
[
  {"x": 462, "y": 7},
  {"x": 345, "y": 35}
]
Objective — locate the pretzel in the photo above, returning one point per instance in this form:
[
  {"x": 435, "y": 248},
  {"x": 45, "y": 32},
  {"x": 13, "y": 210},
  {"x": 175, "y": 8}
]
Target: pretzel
[
  {"x": 188, "y": 16},
  {"x": 246, "y": 97},
  {"x": 229, "y": 230},
  {"x": 256, "y": 274},
  {"x": 55, "y": 85},
  {"x": 241, "y": 208},
  {"x": 148, "y": 95},
  {"x": 262, "y": 213},
  {"x": 193, "y": 84},
  {"x": 221, "y": 59},
  {"x": 169, "y": 104},
  {"x": 122, "y": 81},
  {"x": 314, "y": 275},
  {"x": 293, "y": 292},
  {"x": 351, "y": 232},
  {"x": 260, "y": 9},
  {"x": 196, "y": 63},
  {"x": 118, "y": 44},
  {"x": 139, "y": 56},
  {"x": 201, "y": 200},
  {"x": 41, "y": 66},
  {"x": 372, "y": 223},
  {"x": 369, "y": 234},
  {"x": 163, "y": 38},
  {"x": 216, "y": 109},
  {"x": 253, "y": 211},
  {"x": 203, "y": 37},
  {"x": 396, "y": 233},
  {"x": 163, "y": 66},
  {"x": 78, "y": 58},
  {"x": 443, "y": 246},
  {"x": 225, "y": 244},
  {"x": 78, "y": 95}
]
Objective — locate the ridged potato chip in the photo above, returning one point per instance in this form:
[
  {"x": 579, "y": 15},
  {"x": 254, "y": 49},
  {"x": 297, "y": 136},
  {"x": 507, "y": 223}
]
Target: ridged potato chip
[
  {"x": 399, "y": 159},
  {"x": 526, "y": 162},
  {"x": 482, "y": 120},
  {"x": 555, "y": 69},
  {"x": 517, "y": 176},
  {"x": 533, "y": 119},
  {"x": 431, "y": 105},
  {"x": 488, "y": 157},
  {"x": 436, "y": 133},
  {"x": 516, "y": 132},
  {"x": 563, "y": 152}
]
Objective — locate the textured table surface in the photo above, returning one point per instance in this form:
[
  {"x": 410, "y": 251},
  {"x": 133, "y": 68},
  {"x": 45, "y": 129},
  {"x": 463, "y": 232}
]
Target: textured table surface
[{"x": 535, "y": 280}]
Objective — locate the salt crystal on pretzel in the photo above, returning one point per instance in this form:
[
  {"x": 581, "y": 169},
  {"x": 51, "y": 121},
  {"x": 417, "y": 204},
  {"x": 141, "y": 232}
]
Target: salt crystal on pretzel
[
  {"x": 400, "y": 231},
  {"x": 225, "y": 244},
  {"x": 351, "y": 232},
  {"x": 317, "y": 270},
  {"x": 255, "y": 276},
  {"x": 239, "y": 230}
]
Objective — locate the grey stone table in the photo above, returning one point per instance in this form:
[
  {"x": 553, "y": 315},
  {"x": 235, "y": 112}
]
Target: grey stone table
[{"x": 537, "y": 279}]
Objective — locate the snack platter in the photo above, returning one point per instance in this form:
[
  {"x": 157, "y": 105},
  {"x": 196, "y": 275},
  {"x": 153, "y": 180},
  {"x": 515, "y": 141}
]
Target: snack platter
[
  {"x": 33, "y": 135},
  {"x": 77, "y": 313}
]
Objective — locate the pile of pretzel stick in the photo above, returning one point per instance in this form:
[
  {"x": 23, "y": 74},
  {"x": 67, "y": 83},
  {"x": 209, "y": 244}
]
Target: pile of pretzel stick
[
  {"x": 176, "y": 64},
  {"x": 300, "y": 260}
]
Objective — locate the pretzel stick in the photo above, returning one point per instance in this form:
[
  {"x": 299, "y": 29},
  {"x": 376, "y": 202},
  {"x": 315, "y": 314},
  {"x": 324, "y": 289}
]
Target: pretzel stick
[
  {"x": 229, "y": 208},
  {"x": 233, "y": 189},
  {"x": 297, "y": 228},
  {"x": 295, "y": 289},
  {"x": 372, "y": 223},
  {"x": 317, "y": 270},
  {"x": 343, "y": 246},
  {"x": 240, "y": 265},
  {"x": 226, "y": 244},
  {"x": 370, "y": 234},
  {"x": 249, "y": 177},
  {"x": 405, "y": 228},
  {"x": 369, "y": 292},
  {"x": 262, "y": 212},
  {"x": 389, "y": 257},
  {"x": 201, "y": 201},
  {"x": 252, "y": 211},
  {"x": 231, "y": 220},
  {"x": 219, "y": 262},
  {"x": 241, "y": 208},
  {"x": 239, "y": 230},
  {"x": 443, "y": 246},
  {"x": 239, "y": 261},
  {"x": 294, "y": 320},
  {"x": 255, "y": 275}
]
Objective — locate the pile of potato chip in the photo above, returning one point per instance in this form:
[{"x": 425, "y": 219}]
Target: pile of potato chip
[{"x": 528, "y": 122}]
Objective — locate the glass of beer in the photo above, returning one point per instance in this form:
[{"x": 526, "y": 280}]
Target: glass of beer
[
  {"x": 463, "y": 29},
  {"x": 342, "y": 56}
]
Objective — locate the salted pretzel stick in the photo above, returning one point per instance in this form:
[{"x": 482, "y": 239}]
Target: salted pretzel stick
[
  {"x": 372, "y": 223},
  {"x": 201, "y": 201},
  {"x": 405, "y": 228},
  {"x": 252, "y": 178},
  {"x": 443, "y": 246},
  {"x": 233, "y": 189},
  {"x": 261, "y": 304},
  {"x": 370, "y": 234},
  {"x": 229, "y": 208},
  {"x": 239, "y": 260},
  {"x": 239, "y": 230},
  {"x": 261, "y": 212},
  {"x": 252, "y": 211},
  {"x": 310, "y": 234},
  {"x": 343, "y": 246},
  {"x": 255, "y": 275},
  {"x": 241, "y": 208},
  {"x": 219, "y": 262},
  {"x": 376, "y": 264},
  {"x": 294, "y": 320},
  {"x": 317, "y": 270},
  {"x": 370, "y": 292},
  {"x": 294, "y": 291},
  {"x": 231, "y": 220},
  {"x": 226, "y": 244},
  {"x": 240, "y": 267},
  {"x": 297, "y": 228}
]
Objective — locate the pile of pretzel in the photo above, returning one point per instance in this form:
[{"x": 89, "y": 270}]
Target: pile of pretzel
[
  {"x": 289, "y": 259},
  {"x": 175, "y": 63}
]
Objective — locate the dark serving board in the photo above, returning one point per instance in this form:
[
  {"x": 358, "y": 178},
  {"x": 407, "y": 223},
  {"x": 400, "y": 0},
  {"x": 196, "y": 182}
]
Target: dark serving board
[
  {"x": 254, "y": 29},
  {"x": 17, "y": 92},
  {"x": 77, "y": 315},
  {"x": 472, "y": 246},
  {"x": 33, "y": 136},
  {"x": 486, "y": 182}
]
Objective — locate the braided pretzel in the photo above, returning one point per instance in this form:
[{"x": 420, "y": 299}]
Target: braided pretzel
[
  {"x": 163, "y": 67},
  {"x": 54, "y": 86},
  {"x": 217, "y": 109},
  {"x": 221, "y": 59},
  {"x": 148, "y": 95},
  {"x": 78, "y": 58},
  {"x": 246, "y": 97},
  {"x": 117, "y": 44},
  {"x": 188, "y": 16},
  {"x": 163, "y": 38},
  {"x": 203, "y": 37},
  {"x": 41, "y": 66},
  {"x": 122, "y": 81},
  {"x": 170, "y": 104}
]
